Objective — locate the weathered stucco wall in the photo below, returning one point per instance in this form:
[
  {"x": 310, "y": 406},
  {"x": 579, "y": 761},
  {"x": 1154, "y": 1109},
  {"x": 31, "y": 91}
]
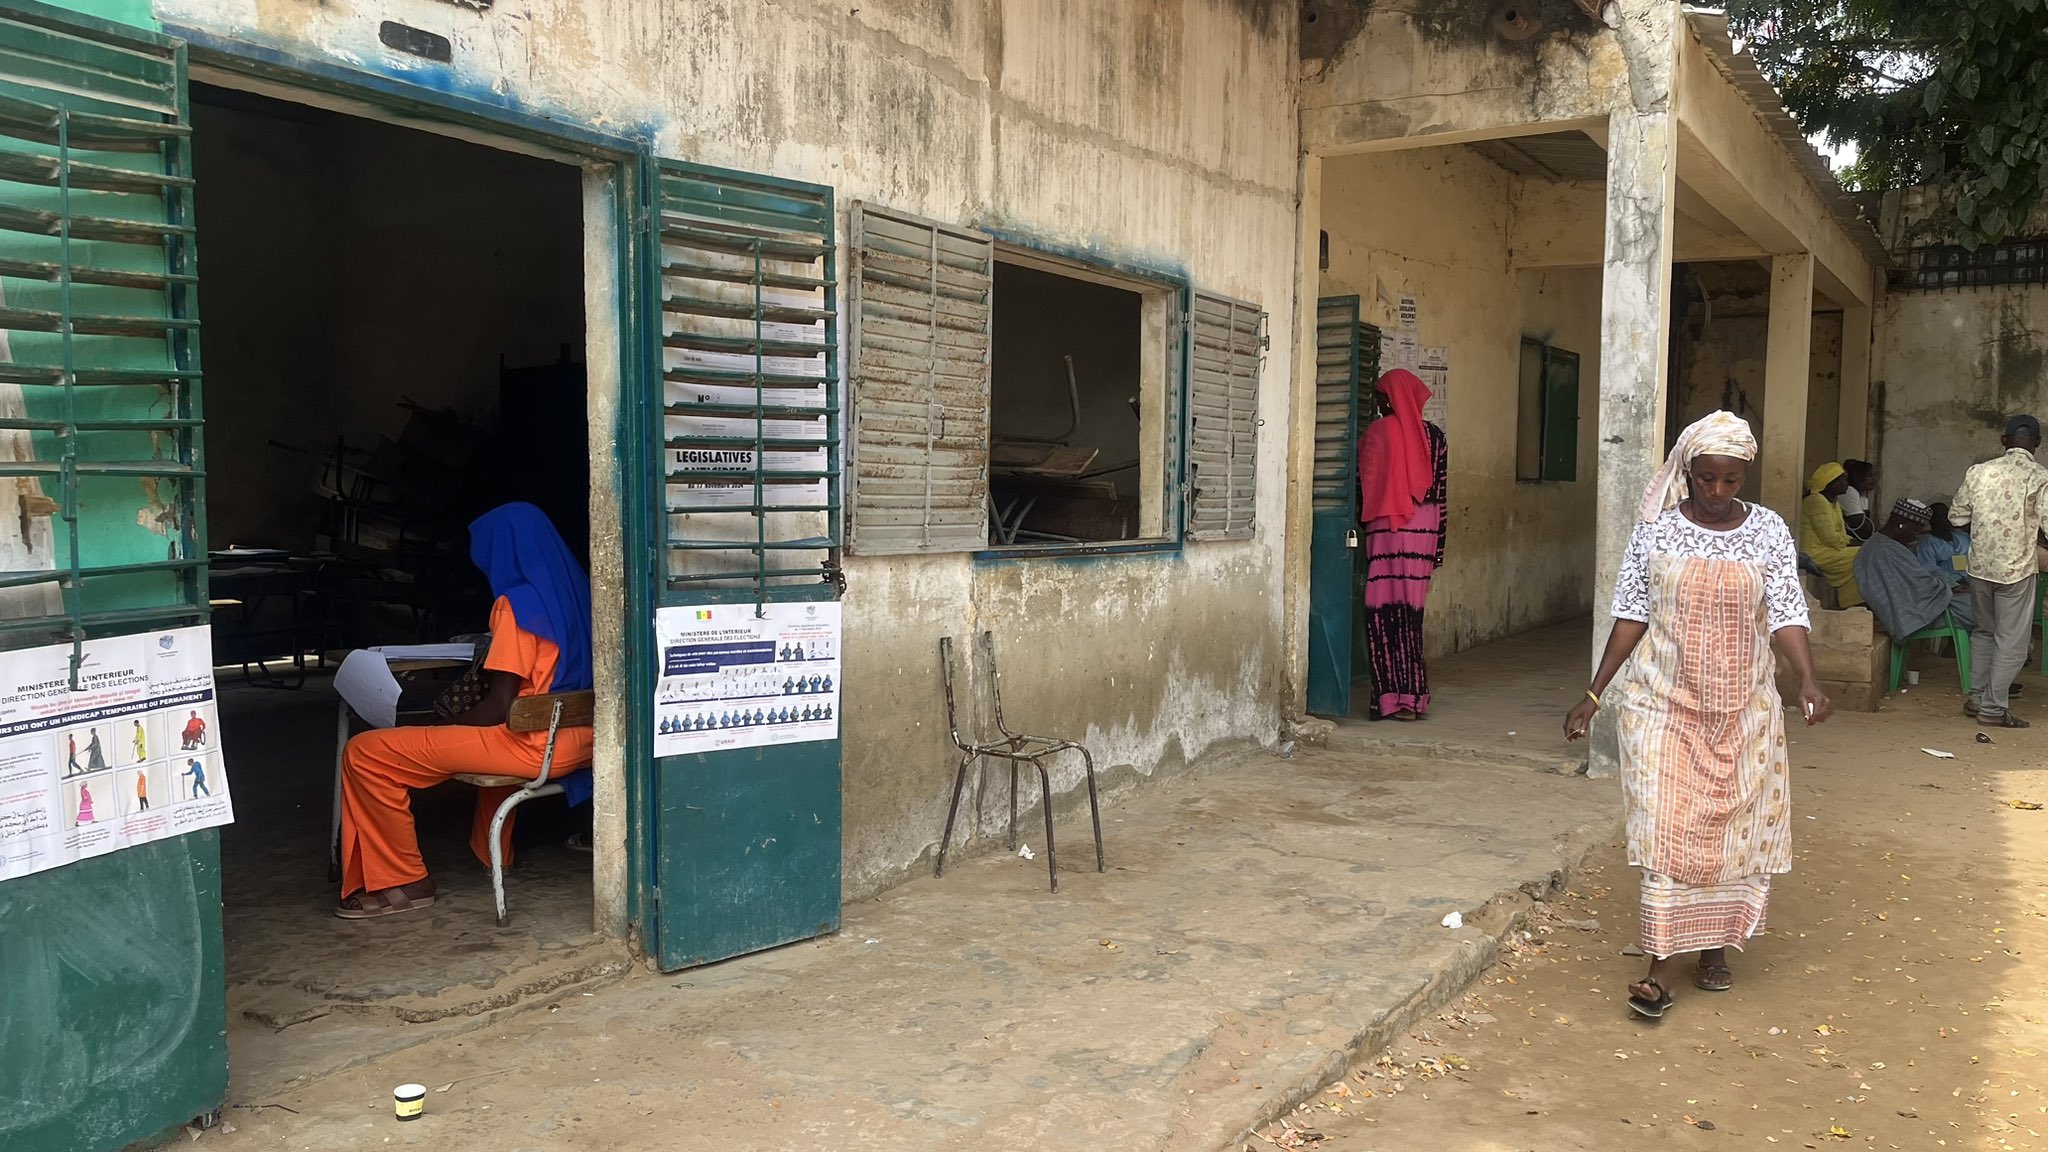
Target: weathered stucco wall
[
  {"x": 1950, "y": 367},
  {"x": 1159, "y": 133},
  {"x": 1435, "y": 224},
  {"x": 1438, "y": 67}
]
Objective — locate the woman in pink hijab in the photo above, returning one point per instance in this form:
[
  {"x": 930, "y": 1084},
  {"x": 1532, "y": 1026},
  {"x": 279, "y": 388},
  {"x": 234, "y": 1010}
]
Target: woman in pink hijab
[{"x": 1402, "y": 461}]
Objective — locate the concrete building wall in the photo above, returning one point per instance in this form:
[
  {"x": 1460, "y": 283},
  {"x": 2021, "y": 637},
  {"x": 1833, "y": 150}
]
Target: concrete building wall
[
  {"x": 1950, "y": 366},
  {"x": 1948, "y": 369},
  {"x": 1157, "y": 133},
  {"x": 1435, "y": 224}
]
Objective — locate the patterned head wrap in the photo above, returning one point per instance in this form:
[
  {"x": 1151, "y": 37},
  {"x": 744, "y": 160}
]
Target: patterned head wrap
[
  {"x": 1913, "y": 512},
  {"x": 1715, "y": 434}
]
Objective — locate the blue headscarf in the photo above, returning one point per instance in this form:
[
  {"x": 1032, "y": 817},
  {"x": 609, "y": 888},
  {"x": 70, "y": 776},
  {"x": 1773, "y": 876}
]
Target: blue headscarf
[
  {"x": 521, "y": 554},
  {"x": 523, "y": 557}
]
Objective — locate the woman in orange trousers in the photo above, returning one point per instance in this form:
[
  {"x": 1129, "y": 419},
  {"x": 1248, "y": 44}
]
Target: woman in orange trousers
[{"x": 540, "y": 643}]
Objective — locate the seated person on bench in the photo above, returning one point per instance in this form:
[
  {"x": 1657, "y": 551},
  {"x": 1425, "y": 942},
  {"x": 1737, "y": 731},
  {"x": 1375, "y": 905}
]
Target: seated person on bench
[
  {"x": 540, "y": 643},
  {"x": 1903, "y": 593}
]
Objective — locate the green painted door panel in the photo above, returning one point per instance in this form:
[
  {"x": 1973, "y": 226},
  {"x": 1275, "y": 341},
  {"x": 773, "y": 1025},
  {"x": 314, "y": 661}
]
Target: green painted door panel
[
  {"x": 113, "y": 1022},
  {"x": 1347, "y": 352},
  {"x": 750, "y": 850},
  {"x": 1330, "y": 614},
  {"x": 741, "y": 325},
  {"x": 112, "y": 998}
]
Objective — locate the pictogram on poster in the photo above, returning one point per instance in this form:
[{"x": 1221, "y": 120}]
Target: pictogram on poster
[
  {"x": 745, "y": 676},
  {"x": 131, "y": 756}
]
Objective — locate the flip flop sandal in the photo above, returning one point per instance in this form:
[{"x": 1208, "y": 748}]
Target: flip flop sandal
[
  {"x": 1970, "y": 709},
  {"x": 389, "y": 902},
  {"x": 1714, "y": 978},
  {"x": 1650, "y": 1009},
  {"x": 2006, "y": 721}
]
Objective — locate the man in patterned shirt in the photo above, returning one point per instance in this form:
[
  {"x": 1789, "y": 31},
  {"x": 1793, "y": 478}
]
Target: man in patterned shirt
[{"x": 2004, "y": 501}]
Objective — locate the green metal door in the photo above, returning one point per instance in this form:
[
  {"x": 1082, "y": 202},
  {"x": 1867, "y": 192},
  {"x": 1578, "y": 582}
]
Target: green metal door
[
  {"x": 746, "y": 838},
  {"x": 1343, "y": 361},
  {"x": 112, "y": 1017}
]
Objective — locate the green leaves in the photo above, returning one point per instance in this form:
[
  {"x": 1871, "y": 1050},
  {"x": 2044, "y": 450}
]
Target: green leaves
[{"x": 1947, "y": 93}]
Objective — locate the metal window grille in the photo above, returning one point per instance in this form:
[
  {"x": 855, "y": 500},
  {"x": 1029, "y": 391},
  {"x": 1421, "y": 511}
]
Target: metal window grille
[
  {"x": 1935, "y": 267},
  {"x": 99, "y": 363}
]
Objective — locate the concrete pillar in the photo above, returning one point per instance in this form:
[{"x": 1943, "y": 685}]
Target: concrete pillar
[
  {"x": 1635, "y": 334},
  {"x": 1788, "y": 370},
  {"x": 1635, "y": 308},
  {"x": 1301, "y": 438},
  {"x": 1853, "y": 438}
]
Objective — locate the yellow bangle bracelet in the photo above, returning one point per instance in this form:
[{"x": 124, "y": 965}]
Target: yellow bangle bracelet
[{"x": 1593, "y": 696}]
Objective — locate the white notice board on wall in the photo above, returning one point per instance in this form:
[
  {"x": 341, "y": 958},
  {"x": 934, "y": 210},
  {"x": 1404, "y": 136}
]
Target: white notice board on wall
[
  {"x": 132, "y": 755},
  {"x": 746, "y": 676}
]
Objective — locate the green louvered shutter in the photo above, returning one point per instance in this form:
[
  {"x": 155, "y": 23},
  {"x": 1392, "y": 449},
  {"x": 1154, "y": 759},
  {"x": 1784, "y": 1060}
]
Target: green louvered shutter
[
  {"x": 750, "y": 375},
  {"x": 112, "y": 1013},
  {"x": 746, "y": 843},
  {"x": 99, "y": 383}
]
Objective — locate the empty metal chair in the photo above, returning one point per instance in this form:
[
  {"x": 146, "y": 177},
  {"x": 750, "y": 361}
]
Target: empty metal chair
[{"x": 1015, "y": 748}]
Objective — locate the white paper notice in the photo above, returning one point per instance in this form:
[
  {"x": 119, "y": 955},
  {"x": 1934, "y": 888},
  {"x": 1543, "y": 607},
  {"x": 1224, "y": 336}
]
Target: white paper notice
[
  {"x": 1410, "y": 314},
  {"x": 365, "y": 681},
  {"x": 1435, "y": 370},
  {"x": 132, "y": 756},
  {"x": 742, "y": 676}
]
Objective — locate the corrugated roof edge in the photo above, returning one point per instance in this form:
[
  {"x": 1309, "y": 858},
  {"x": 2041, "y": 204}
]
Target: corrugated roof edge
[{"x": 1739, "y": 67}]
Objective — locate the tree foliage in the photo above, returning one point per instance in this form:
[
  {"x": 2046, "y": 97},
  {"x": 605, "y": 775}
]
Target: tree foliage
[{"x": 1950, "y": 92}]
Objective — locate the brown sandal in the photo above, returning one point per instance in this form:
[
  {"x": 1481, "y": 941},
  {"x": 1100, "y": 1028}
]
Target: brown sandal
[{"x": 388, "y": 902}]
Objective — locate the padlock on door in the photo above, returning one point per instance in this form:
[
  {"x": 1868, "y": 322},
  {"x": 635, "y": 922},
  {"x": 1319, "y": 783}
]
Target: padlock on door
[{"x": 1351, "y": 538}]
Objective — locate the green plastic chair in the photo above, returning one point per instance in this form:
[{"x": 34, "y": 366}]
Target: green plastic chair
[{"x": 1944, "y": 629}]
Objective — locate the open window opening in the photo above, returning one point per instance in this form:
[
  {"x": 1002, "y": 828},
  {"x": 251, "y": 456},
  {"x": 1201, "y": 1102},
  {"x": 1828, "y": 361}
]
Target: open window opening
[
  {"x": 1079, "y": 420},
  {"x": 394, "y": 345}
]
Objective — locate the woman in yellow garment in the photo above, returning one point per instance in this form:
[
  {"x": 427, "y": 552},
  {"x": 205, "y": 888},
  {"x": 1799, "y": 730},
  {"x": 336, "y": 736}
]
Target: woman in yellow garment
[{"x": 1823, "y": 537}]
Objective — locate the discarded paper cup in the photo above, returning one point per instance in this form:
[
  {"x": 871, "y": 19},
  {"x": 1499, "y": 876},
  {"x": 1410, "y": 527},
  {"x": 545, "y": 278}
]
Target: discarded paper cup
[
  {"x": 409, "y": 1100},
  {"x": 1913, "y": 677}
]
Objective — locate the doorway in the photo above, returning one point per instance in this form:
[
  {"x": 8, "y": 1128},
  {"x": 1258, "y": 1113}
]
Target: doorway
[{"x": 394, "y": 345}]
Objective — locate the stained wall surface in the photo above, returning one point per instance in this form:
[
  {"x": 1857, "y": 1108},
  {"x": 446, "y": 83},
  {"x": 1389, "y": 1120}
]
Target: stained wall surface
[
  {"x": 1157, "y": 134},
  {"x": 1435, "y": 224}
]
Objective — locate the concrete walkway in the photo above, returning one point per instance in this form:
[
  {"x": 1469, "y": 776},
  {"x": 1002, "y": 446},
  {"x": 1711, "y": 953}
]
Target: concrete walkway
[
  {"x": 1261, "y": 922},
  {"x": 1500, "y": 703}
]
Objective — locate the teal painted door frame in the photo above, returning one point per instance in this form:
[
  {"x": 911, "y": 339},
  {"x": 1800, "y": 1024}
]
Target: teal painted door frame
[{"x": 630, "y": 162}]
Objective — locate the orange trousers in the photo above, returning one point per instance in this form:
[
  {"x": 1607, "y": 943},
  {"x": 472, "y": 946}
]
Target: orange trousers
[{"x": 379, "y": 770}]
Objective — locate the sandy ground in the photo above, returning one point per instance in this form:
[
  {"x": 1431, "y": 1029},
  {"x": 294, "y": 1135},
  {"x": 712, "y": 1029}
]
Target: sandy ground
[
  {"x": 1896, "y": 1002},
  {"x": 1261, "y": 920}
]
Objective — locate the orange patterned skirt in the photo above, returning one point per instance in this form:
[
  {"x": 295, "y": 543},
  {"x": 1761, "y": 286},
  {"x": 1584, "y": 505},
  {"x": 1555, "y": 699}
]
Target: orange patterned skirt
[{"x": 1703, "y": 757}]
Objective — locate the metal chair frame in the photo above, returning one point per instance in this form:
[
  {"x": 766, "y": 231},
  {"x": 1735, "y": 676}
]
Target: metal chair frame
[{"x": 1017, "y": 749}]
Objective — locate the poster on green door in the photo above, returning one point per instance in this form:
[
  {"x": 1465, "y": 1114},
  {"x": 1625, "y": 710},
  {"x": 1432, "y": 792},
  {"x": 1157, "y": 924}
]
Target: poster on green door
[{"x": 128, "y": 754}]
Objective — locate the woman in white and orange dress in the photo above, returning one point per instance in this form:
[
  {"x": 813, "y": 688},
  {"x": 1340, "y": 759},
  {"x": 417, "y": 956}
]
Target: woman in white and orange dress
[{"x": 1709, "y": 581}]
